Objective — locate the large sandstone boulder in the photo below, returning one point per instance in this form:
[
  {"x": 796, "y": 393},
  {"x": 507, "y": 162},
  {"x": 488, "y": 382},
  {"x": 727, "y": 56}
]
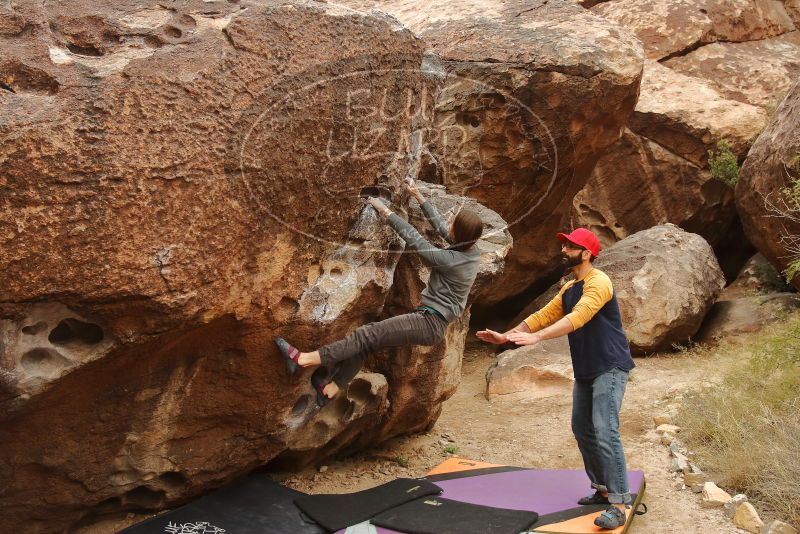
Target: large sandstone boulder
[
  {"x": 639, "y": 184},
  {"x": 755, "y": 72},
  {"x": 420, "y": 379},
  {"x": 528, "y": 373},
  {"x": 687, "y": 115},
  {"x": 657, "y": 172},
  {"x": 772, "y": 165},
  {"x": 536, "y": 91},
  {"x": 665, "y": 280},
  {"x": 178, "y": 185},
  {"x": 674, "y": 27}
]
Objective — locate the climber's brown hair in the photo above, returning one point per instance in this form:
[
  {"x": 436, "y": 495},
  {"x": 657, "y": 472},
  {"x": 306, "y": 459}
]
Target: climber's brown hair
[{"x": 467, "y": 229}]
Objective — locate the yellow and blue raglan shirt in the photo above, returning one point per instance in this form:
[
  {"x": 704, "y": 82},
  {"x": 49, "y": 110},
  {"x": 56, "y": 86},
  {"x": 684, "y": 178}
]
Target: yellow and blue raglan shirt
[{"x": 598, "y": 342}]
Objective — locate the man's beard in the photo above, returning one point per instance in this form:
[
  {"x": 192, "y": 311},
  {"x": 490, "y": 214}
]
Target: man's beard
[{"x": 570, "y": 261}]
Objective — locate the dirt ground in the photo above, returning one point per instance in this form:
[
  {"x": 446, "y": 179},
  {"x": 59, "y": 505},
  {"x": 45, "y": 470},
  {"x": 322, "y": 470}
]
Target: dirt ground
[{"x": 536, "y": 433}]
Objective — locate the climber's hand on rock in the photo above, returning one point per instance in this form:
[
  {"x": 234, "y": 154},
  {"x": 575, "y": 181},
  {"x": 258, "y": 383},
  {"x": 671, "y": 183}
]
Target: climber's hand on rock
[
  {"x": 330, "y": 390},
  {"x": 411, "y": 187},
  {"x": 379, "y": 206}
]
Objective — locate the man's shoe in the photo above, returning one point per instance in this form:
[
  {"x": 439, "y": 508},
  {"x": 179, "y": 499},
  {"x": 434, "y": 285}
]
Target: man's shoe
[
  {"x": 611, "y": 518},
  {"x": 596, "y": 498}
]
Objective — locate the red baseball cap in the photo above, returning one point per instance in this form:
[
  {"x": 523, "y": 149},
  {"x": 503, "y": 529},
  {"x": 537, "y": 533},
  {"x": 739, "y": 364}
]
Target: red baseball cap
[{"x": 584, "y": 238}]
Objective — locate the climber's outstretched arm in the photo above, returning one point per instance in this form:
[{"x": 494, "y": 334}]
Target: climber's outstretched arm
[
  {"x": 430, "y": 211},
  {"x": 432, "y": 255}
]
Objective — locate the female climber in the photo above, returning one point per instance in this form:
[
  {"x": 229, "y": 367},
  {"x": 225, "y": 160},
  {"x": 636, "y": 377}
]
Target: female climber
[{"x": 453, "y": 271}]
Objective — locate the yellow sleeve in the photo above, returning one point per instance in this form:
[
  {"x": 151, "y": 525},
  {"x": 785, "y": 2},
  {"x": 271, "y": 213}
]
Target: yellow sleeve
[
  {"x": 552, "y": 312},
  {"x": 597, "y": 291}
]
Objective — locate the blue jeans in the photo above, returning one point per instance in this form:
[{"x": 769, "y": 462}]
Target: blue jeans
[{"x": 595, "y": 424}]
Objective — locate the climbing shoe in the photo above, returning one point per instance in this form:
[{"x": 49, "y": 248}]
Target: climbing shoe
[
  {"x": 319, "y": 379},
  {"x": 612, "y": 518},
  {"x": 595, "y": 498},
  {"x": 290, "y": 353}
]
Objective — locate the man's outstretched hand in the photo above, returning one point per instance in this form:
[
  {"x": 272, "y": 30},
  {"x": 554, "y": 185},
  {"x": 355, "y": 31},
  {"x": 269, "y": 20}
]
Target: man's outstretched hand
[
  {"x": 490, "y": 336},
  {"x": 525, "y": 338}
]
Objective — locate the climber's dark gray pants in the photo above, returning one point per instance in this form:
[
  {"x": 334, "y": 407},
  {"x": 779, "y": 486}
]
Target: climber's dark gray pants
[{"x": 417, "y": 328}]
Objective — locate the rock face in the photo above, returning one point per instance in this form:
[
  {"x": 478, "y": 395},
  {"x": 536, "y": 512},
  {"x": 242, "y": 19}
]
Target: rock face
[
  {"x": 674, "y": 27},
  {"x": 757, "y": 277},
  {"x": 657, "y": 172},
  {"x": 770, "y": 166},
  {"x": 639, "y": 184},
  {"x": 665, "y": 280},
  {"x": 536, "y": 91},
  {"x": 757, "y": 72},
  {"x": 793, "y": 9},
  {"x": 757, "y": 297},
  {"x": 198, "y": 195},
  {"x": 422, "y": 378},
  {"x": 687, "y": 115},
  {"x": 531, "y": 372},
  {"x": 741, "y": 315},
  {"x": 748, "y": 50}
]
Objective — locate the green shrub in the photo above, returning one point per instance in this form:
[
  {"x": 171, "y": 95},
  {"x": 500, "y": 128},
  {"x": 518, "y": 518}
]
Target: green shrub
[
  {"x": 745, "y": 431},
  {"x": 723, "y": 164}
]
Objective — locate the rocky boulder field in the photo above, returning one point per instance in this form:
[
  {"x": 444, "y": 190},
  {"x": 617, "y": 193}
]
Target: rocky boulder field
[
  {"x": 181, "y": 182},
  {"x": 715, "y": 71}
]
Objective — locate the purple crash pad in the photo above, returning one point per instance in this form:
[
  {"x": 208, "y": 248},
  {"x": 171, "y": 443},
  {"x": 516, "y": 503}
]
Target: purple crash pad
[{"x": 541, "y": 491}]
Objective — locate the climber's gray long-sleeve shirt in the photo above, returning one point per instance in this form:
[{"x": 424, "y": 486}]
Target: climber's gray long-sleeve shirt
[{"x": 452, "y": 271}]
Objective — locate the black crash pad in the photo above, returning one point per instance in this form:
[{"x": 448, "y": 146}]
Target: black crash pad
[
  {"x": 435, "y": 515},
  {"x": 337, "y": 511},
  {"x": 254, "y": 505}
]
